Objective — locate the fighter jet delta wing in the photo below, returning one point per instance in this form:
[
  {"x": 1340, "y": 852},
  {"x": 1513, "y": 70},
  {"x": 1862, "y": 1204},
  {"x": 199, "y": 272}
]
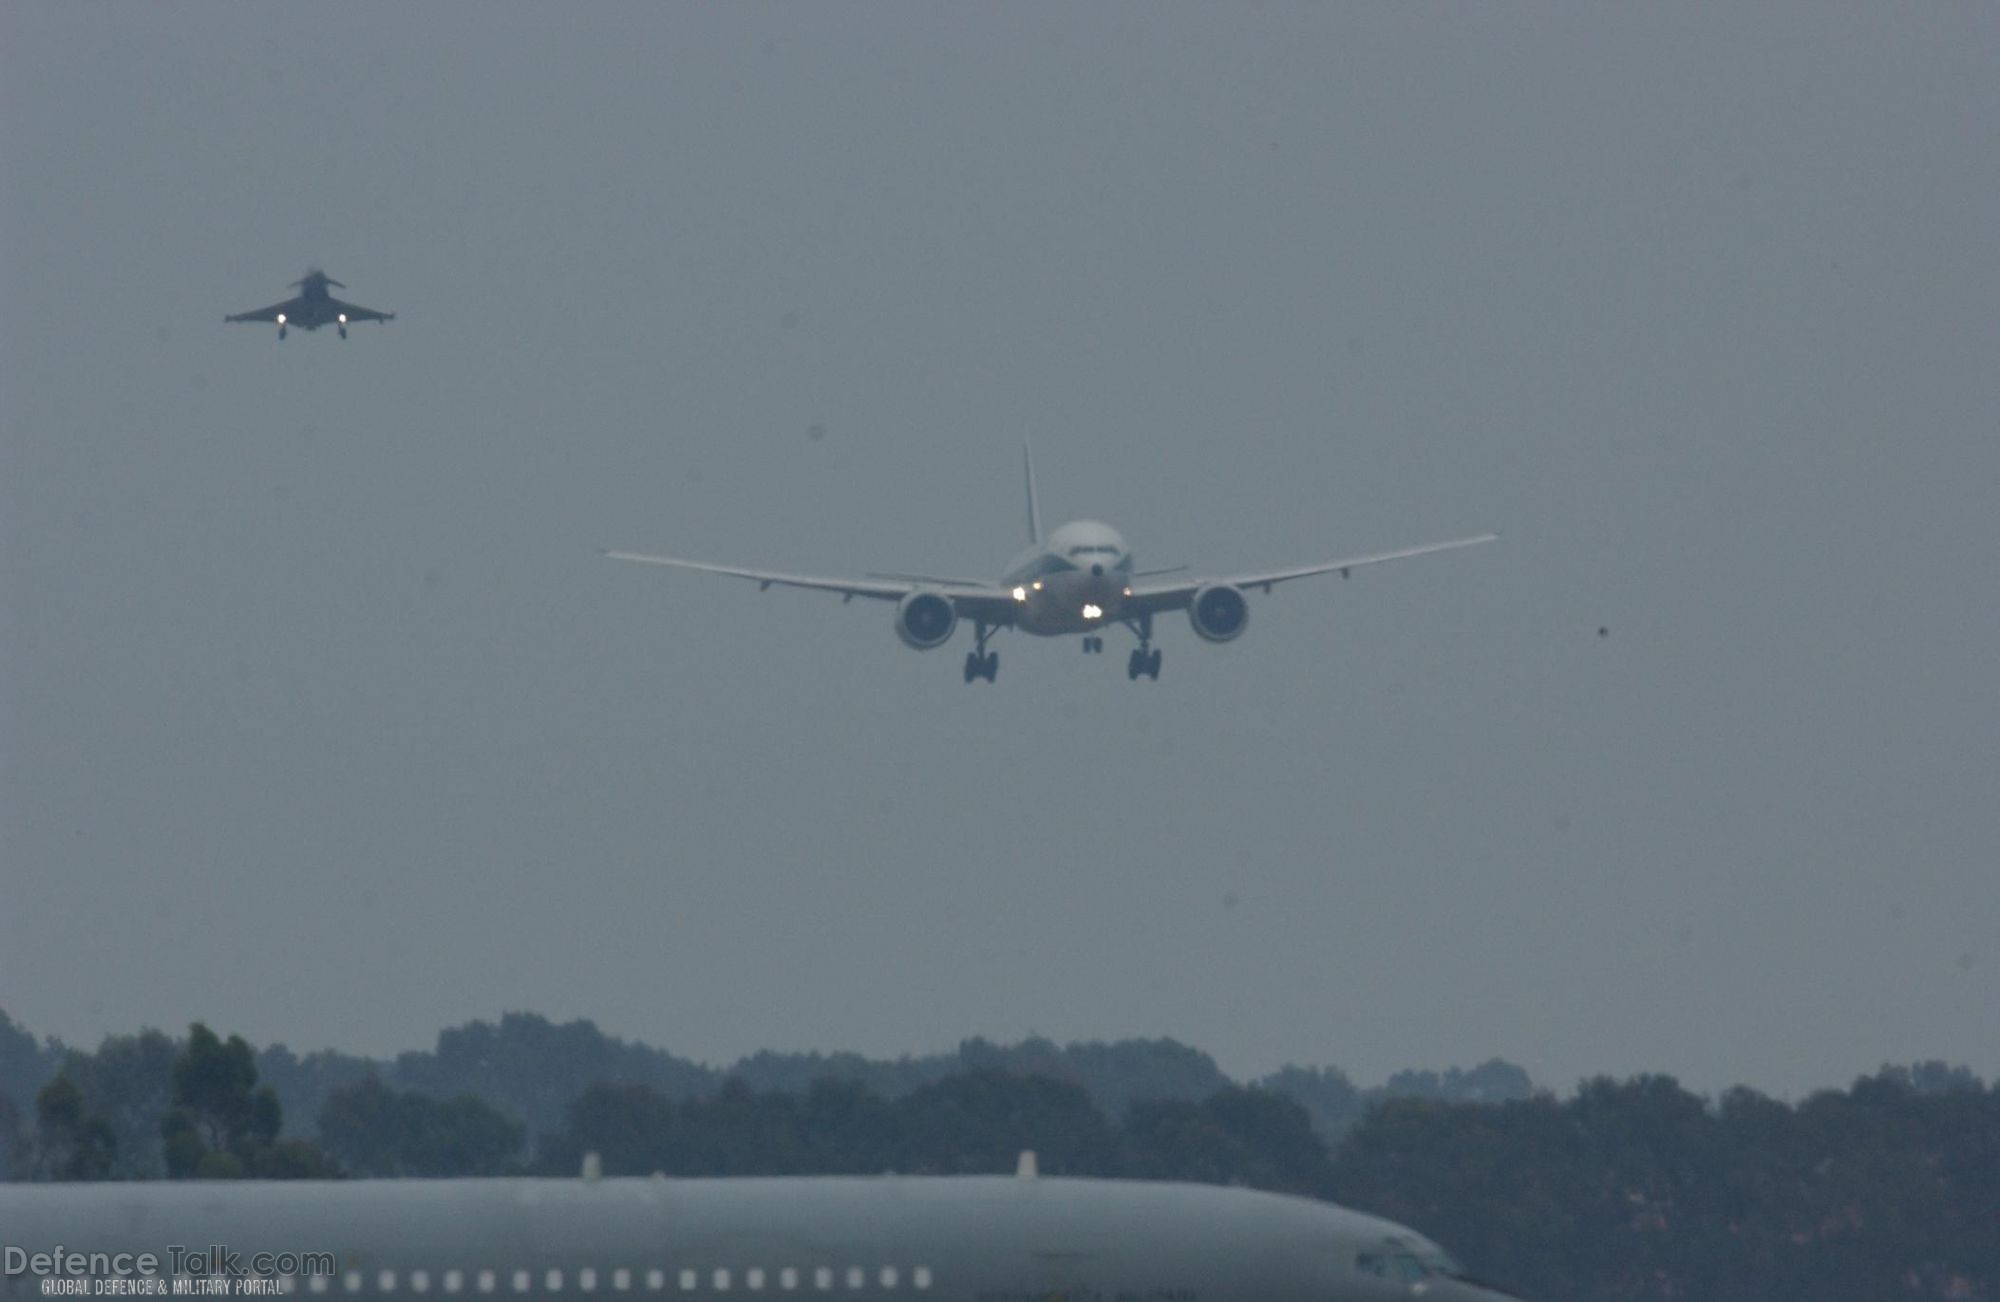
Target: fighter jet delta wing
[
  {"x": 355, "y": 313},
  {"x": 271, "y": 313}
]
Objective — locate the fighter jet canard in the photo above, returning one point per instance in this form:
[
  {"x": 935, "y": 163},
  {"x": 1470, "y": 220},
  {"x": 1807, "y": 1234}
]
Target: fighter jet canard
[
  {"x": 313, "y": 308},
  {"x": 1078, "y": 579}
]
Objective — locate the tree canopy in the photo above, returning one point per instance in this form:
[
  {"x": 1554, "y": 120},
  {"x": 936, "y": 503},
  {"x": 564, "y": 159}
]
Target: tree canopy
[{"x": 222, "y": 1124}]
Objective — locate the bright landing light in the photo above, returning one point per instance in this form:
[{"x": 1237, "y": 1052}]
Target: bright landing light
[
  {"x": 281, "y": 318},
  {"x": 1020, "y": 594},
  {"x": 343, "y": 318},
  {"x": 1093, "y": 612}
]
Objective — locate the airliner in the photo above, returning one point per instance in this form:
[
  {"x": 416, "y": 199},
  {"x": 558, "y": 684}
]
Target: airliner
[
  {"x": 1077, "y": 579},
  {"x": 888, "y": 1238}
]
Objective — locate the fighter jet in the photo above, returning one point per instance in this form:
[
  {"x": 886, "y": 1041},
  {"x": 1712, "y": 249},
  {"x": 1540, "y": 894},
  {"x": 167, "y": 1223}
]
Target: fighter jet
[
  {"x": 1077, "y": 579},
  {"x": 313, "y": 308}
]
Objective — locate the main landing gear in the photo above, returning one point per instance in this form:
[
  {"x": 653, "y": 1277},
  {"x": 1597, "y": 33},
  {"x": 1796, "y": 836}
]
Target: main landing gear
[
  {"x": 1093, "y": 645},
  {"x": 981, "y": 663},
  {"x": 1145, "y": 658}
]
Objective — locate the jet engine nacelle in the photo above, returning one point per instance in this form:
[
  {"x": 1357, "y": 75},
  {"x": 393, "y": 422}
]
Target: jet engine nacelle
[
  {"x": 1218, "y": 612},
  {"x": 925, "y": 620}
]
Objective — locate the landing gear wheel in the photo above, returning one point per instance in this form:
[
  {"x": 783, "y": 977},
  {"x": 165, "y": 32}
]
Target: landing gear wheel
[
  {"x": 972, "y": 659},
  {"x": 281, "y": 334},
  {"x": 992, "y": 666},
  {"x": 1153, "y": 665},
  {"x": 1135, "y": 664},
  {"x": 343, "y": 332},
  {"x": 982, "y": 665}
]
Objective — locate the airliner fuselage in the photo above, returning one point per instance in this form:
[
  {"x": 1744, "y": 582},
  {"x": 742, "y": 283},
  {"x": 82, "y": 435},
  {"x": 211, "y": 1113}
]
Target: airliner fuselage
[
  {"x": 1075, "y": 583},
  {"x": 824, "y": 1239}
]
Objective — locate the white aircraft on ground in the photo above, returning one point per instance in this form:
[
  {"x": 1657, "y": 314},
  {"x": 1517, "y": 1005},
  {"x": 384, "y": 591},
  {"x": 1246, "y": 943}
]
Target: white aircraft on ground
[{"x": 1077, "y": 579}]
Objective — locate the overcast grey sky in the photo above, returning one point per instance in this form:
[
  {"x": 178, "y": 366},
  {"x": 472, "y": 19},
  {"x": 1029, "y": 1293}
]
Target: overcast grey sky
[{"x": 324, "y": 721}]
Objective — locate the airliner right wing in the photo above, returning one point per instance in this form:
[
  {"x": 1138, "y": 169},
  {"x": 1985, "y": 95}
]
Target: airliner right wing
[
  {"x": 882, "y": 589},
  {"x": 974, "y": 600}
]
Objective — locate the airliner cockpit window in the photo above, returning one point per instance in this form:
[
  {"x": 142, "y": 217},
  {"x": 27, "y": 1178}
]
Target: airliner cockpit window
[
  {"x": 1404, "y": 1267},
  {"x": 1439, "y": 1262}
]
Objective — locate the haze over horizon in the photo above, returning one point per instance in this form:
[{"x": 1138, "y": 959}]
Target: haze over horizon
[{"x": 325, "y": 722}]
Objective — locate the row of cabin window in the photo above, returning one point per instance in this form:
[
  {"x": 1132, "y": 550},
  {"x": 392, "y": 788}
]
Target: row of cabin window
[{"x": 720, "y": 1280}]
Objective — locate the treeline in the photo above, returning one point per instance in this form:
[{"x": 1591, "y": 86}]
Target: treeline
[
  {"x": 1639, "y": 1189},
  {"x": 530, "y": 1069},
  {"x": 533, "y": 1068},
  {"x": 1633, "y": 1190},
  {"x": 973, "y": 1123},
  {"x": 206, "y": 1117}
]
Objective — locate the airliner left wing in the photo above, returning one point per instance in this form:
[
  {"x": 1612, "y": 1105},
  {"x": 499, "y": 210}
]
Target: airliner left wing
[{"x": 1153, "y": 597}]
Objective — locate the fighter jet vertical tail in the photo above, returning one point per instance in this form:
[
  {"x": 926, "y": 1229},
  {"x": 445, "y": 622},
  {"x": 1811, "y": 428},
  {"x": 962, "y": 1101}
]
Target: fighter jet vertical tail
[{"x": 1034, "y": 510}]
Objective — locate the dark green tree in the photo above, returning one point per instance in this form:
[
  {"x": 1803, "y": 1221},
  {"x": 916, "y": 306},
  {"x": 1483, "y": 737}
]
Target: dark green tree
[
  {"x": 26, "y": 1064},
  {"x": 845, "y": 1127},
  {"x": 13, "y": 1143},
  {"x": 980, "y": 1121},
  {"x": 303, "y": 1083},
  {"x": 129, "y": 1081},
  {"x": 1492, "y": 1081},
  {"x": 533, "y": 1068},
  {"x": 223, "y": 1125},
  {"x": 1327, "y": 1095},
  {"x": 769, "y": 1072},
  {"x": 634, "y": 1129},
  {"x": 737, "y": 1131},
  {"x": 1235, "y": 1136},
  {"x": 1114, "y": 1075},
  {"x": 70, "y": 1143},
  {"x": 374, "y": 1130}
]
